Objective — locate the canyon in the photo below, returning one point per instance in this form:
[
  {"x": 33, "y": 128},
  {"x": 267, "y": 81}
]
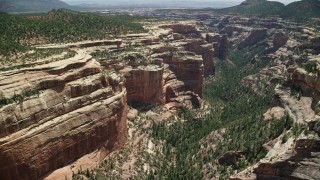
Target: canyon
[
  {"x": 115, "y": 107},
  {"x": 77, "y": 106}
]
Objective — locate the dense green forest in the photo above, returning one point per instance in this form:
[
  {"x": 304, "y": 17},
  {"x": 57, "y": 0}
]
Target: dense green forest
[
  {"x": 235, "y": 108},
  {"x": 18, "y": 32},
  {"x": 302, "y": 10}
]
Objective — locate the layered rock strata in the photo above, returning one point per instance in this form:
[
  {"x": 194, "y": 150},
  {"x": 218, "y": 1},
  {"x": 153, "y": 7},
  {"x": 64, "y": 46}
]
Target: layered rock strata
[
  {"x": 172, "y": 73},
  {"x": 55, "y": 113},
  {"x": 187, "y": 30},
  {"x": 75, "y": 110},
  {"x": 200, "y": 47},
  {"x": 255, "y": 36},
  {"x": 144, "y": 81},
  {"x": 183, "y": 78},
  {"x": 220, "y": 45},
  {"x": 84, "y": 44}
]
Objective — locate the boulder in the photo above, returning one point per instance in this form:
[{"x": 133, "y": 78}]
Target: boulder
[
  {"x": 274, "y": 113},
  {"x": 230, "y": 157},
  {"x": 132, "y": 114},
  {"x": 279, "y": 39}
]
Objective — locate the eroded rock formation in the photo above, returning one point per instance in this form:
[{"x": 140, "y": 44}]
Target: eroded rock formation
[
  {"x": 76, "y": 110},
  {"x": 220, "y": 45},
  {"x": 184, "y": 29},
  {"x": 183, "y": 78},
  {"x": 255, "y": 36},
  {"x": 144, "y": 80},
  {"x": 280, "y": 39},
  {"x": 60, "y": 111},
  {"x": 297, "y": 157},
  {"x": 200, "y": 47},
  {"x": 223, "y": 48},
  {"x": 174, "y": 70}
]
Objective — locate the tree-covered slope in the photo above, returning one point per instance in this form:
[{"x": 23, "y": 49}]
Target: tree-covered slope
[
  {"x": 31, "y": 5},
  {"x": 302, "y": 10},
  {"x": 260, "y": 7},
  {"x": 60, "y": 26}
]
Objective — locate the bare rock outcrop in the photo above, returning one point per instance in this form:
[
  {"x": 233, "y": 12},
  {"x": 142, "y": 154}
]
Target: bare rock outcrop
[
  {"x": 308, "y": 81},
  {"x": 230, "y": 30},
  {"x": 174, "y": 70},
  {"x": 200, "y": 47},
  {"x": 302, "y": 162},
  {"x": 193, "y": 42},
  {"x": 295, "y": 155},
  {"x": 314, "y": 43},
  {"x": 183, "y": 77},
  {"x": 220, "y": 45},
  {"x": 255, "y": 36},
  {"x": 144, "y": 79},
  {"x": 274, "y": 113},
  {"x": 223, "y": 47},
  {"x": 76, "y": 110},
  {"x": 85, "y": 44},
  {"x": 184, "y": 29},
  {"x": 280, "y": 39},
  {"x": 210, "y": 38}
]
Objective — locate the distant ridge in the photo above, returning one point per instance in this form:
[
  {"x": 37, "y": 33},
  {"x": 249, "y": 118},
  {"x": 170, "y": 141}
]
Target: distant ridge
[
  {"x": 300, "y": 10},
  {"x": 31, "y": 5},
  {"x": 261, "y": 7}
]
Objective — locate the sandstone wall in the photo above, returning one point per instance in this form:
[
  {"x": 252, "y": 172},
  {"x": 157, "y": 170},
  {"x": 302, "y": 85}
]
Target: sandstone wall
[
  {"x": 183, "y": 77},
  {"x": 220, "y": 45},
  {"x": 77, "y": 110},
  {"x": 200, "y": 47},
  {"x": 309, "y": 83},
  {"x": 306, "y": 80},
  {"x": 145, "y": 85},
  {"x": 187, "y": 30},
  {"x": 255, "y": 36}
]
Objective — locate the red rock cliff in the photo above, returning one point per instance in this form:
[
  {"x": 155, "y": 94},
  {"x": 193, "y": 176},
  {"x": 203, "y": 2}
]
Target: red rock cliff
[
  {"x": 183, "y": 76},
  {"x": 144, "y": 81},
  {"x": 75, "y": 111}
]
